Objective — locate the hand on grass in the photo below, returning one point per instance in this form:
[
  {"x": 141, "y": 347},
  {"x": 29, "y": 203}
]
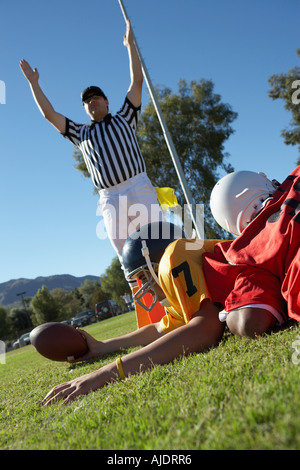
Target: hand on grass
[{"x": 68, "y": 391}]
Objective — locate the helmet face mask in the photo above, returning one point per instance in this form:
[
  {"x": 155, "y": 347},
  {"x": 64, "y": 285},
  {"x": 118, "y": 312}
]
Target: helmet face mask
[
  {"x": 148, "y": 286},
  {"x": 142, "y": 253},
  {"x": 251, "y": 211}
]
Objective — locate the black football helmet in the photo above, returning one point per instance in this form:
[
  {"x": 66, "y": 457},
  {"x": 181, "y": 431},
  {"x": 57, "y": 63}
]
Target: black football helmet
[{"x": 142, "y": 253}]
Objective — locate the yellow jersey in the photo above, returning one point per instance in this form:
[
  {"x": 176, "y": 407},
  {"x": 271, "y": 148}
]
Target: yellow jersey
[{"x": 182, "y": 280}]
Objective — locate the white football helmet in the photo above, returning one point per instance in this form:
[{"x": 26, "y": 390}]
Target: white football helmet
[{"x": 238, "y": 197}]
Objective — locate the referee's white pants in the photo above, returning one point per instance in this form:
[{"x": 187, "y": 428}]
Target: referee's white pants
[{"x": 126, "y": 207}]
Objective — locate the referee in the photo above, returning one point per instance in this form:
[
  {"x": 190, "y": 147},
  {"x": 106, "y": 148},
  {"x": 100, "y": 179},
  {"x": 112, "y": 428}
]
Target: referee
[{"x": 110, "y": 150}]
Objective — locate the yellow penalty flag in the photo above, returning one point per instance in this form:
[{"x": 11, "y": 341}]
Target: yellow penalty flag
[{"x": 166, "y": 197}]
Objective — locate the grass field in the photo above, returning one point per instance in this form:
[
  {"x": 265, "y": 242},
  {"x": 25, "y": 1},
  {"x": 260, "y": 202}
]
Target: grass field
[{"x": 243, "y": 394}]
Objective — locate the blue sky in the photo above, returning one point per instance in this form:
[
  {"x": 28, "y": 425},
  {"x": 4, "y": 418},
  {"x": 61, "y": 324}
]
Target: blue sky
[{"x": 47, "y": 208}]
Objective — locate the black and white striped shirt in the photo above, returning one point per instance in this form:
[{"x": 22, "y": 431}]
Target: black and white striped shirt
[{"x": 109, "y": 147}]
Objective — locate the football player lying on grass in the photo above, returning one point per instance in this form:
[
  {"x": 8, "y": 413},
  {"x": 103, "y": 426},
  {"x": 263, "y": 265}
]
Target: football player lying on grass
[
  {"x": 255, "y": 277},
  {"x": 261, "y": 267},
  {"x": 195, "y": 314}
]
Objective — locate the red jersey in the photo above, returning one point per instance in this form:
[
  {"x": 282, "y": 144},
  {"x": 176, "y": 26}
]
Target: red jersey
[{"x": 263, "y": 264}]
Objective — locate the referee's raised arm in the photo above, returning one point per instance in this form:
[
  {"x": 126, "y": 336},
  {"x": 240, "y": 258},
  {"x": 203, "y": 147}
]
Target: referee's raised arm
[
  {"x": 111, "y": 152},
  {"x": 135, "y": 89},
  {"x": 44, "y": 105}
]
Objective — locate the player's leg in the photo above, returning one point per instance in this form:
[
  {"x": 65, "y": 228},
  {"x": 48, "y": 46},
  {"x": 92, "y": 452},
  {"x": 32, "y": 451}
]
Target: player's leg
[{"x": 250, "y": 321}]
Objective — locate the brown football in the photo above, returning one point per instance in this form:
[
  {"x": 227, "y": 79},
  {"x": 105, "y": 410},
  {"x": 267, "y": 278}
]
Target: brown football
[{"x": 58, "y": 341}]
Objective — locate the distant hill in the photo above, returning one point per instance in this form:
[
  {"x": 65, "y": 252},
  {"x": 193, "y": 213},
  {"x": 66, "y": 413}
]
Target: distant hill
[{"x": 10, "y": 289}]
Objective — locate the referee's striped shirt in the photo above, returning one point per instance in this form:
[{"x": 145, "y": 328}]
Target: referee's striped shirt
[{"x": 109, "y": 147}]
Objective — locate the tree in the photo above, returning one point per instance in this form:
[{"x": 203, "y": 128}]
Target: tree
[
  {"x": 287, "y": 87},
  {"x": 68, "y": 303},
  {"x": 199, "y": 124},
  {"x": 87, "y": 290},
  {"x": 20, "y": 318},
  {"x": 45, "y": 308},
  {"x": 5, "y": 325},
  {"x": 99, "y": 295},
  {"x": 114, "y": 282}
]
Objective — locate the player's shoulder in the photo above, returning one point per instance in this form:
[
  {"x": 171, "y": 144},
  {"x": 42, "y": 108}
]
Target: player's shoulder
[
  {"x": 170, "y": 252},
  {"x": 184, "y": 245},
  {"x": 177, "y": 251},
  {"x": 175, "y": 246}
]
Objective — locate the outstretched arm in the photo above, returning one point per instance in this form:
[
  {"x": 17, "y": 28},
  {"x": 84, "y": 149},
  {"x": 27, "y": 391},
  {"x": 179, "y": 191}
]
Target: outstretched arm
[
  {"x": 44, "y": 105},
  {"x": 135, "y": 89},
  {"x": 140, "y": 337},
  {"x": 202, "y": 332}
]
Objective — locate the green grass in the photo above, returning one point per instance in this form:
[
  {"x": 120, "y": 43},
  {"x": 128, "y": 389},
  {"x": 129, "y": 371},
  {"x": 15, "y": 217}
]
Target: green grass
[{"x": 243, "y": 394}]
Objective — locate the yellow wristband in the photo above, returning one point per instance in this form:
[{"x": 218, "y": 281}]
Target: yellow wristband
[{"x": 120, "y": 368}]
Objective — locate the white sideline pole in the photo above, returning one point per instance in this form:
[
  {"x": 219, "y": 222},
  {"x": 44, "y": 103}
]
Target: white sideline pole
[{"x": 167, "y": 135}]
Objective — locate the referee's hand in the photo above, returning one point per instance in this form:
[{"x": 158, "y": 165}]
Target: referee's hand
[{"x": 31, "y": 75}]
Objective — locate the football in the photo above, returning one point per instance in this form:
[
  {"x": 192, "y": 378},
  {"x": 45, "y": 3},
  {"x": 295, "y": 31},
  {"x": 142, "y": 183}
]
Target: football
[{"x": 58, "y": 341}]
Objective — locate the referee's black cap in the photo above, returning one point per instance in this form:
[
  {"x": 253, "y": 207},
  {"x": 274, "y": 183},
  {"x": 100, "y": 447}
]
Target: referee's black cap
[{"x": 92, "y": 90}]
